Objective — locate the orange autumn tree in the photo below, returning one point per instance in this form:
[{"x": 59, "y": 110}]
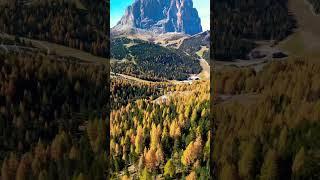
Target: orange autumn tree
[
  {"x": 151, "y": 160},
  {"x": 192, "y": 152}
]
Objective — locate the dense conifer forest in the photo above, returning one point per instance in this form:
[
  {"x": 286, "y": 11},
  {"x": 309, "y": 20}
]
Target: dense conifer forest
[
  {"x": 166, "y": 137},
  {"x": 239, "y": 24},
  {"x": 52, "y": 120},
  {"x": 150, "y": 61},
  {"x": 60, "y": 22},
  {"x": 269, "y": 129},
  {"x": 125, "y": 91},
  {"x": 53, "y": 108}
]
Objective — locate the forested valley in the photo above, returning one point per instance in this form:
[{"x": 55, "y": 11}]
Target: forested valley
[
  {"x": 149, "y": 61},
  {"x": 54, "y": 107},
  {"x": 239, "y": 24},
  {"x": 275, "y": 134},
  {"x": 162, "y": 137},
  {"x": 52, "y": 117},
  {"x": 60, "y": 22}
]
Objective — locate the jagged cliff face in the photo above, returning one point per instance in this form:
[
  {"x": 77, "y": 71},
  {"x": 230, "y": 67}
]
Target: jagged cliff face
[{"x": 162, "y": 16}]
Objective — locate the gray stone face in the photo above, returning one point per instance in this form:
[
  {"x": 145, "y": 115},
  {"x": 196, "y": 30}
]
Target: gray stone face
[{"x": 162, "y": 16}]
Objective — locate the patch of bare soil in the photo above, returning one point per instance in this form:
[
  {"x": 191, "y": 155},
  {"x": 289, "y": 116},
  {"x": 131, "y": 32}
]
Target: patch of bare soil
[{"x": 308, "y": 24}]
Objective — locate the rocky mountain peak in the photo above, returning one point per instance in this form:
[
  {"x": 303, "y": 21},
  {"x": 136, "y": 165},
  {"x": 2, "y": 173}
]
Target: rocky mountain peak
[{"x": 162, "y": 16}]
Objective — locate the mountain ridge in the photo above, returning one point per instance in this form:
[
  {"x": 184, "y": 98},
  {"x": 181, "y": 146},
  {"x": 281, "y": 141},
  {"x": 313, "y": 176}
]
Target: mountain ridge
[{"x": 161, "y": 17}]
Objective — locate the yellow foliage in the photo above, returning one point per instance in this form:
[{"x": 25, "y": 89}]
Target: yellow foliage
[
  {"x": 192, "y": 152},
  {"x": 151, "y": 160},
  {"x": 191, "y": 176}
]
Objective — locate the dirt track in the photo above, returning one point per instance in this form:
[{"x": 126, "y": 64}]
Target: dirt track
[{"x": 307, "y": 35}]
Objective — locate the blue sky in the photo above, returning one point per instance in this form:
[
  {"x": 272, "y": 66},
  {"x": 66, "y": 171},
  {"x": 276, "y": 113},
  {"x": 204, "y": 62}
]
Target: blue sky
[{"x": 117, "y": 9}]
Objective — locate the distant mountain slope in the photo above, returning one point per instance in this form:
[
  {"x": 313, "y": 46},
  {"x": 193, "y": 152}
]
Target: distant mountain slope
[
  {"x": 151, "y": 61},
  {"x": 161, "y": 16},
  {"x": 195, "y": 43},
  {"x": 186, "y": 43},
  {"x": 165, "y": 39}
]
